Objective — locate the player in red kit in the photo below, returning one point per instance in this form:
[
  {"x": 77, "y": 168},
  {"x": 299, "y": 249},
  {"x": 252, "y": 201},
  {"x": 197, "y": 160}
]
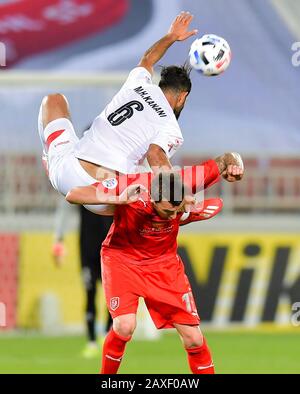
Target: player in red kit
[{"x": 139, "y": 259}]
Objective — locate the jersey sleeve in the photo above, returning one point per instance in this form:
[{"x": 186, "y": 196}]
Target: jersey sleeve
[
  {"x": 204, "y": 210},
  {"x": 138, "y": 75},
  {"x": 200, "y": 177}
]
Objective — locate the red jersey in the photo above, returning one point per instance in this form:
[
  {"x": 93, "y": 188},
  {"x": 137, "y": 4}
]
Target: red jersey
[{"x": 141, "y": 234}]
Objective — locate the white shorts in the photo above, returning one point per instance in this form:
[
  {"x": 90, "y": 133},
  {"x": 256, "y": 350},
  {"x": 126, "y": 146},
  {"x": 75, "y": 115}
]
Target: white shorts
[{"x": 65, "y": 171}]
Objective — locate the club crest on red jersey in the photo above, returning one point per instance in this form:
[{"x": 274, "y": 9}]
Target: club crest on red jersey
[{"x": 114, "y": 303}]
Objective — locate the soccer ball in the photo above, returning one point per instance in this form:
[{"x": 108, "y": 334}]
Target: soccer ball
[{"x": 210, "y": 55}]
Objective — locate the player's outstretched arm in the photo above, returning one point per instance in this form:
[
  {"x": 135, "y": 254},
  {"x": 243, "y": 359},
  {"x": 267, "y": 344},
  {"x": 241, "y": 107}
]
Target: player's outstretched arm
[
  {"x": 179, "y": 31},
  {"x": 127, "y": 188},
  {"x": 230, "y": 166},
  {"x": 97, "y": 194},
  {"x": 83, "y": 195}
]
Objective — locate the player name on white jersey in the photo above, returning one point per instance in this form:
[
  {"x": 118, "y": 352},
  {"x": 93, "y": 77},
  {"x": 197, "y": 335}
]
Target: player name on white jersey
[
  {"x": 138, "y": 115},
  {"x": 149, "y": 100}
]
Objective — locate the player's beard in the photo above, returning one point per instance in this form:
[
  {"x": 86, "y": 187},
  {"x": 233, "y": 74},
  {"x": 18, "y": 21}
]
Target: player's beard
[{"x": 177, "y": 112}]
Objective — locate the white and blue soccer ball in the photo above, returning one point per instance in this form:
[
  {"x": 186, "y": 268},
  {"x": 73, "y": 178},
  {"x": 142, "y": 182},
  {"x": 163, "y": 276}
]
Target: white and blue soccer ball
[{"x": 210, "y": 55}]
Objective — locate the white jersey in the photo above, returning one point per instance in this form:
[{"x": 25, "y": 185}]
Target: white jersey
[{"x": 139, "y": 115}]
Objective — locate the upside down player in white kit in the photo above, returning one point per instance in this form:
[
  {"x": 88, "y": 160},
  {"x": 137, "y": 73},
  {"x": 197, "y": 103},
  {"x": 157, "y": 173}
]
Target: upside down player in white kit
[{"x": 140, "y": 123}]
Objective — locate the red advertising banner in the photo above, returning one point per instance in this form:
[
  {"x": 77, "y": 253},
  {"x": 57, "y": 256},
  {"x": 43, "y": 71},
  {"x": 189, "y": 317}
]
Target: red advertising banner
[
  {"x": 29, "y": 27},
  {"x": 9, "y": 254}
]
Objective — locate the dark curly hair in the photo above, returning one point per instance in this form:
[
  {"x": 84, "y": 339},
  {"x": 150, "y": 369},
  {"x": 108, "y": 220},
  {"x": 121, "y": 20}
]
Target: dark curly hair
[{"x": 176, "y": 78}]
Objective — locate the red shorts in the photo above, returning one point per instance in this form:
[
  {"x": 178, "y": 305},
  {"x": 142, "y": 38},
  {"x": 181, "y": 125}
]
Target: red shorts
[{"x": 164, "y": 287}]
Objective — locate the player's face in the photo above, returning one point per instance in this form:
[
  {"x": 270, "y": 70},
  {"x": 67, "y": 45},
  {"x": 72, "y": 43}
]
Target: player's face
[
  {"x": 177, "y": 111},
  {"x": 166, "y": 210},
  {"x": 181, "y": 100}
]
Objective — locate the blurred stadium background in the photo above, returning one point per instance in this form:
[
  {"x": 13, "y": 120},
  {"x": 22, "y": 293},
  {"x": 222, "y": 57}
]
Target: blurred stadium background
[{"x": 244, "y": 265}]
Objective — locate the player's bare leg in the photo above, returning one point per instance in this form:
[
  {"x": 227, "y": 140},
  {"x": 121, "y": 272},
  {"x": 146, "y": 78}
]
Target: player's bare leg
[
  {"x": 191, "y": 336},
  {"x": 54, "y": 106},
  {"x": 125, "y": 325},
  {"x": 199, "y": 356},
  {"x": 115, "y": 342}
]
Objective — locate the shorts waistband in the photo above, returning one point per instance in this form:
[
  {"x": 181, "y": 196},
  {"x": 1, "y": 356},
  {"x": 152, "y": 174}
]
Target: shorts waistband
[{"x": 115, "y": 253}]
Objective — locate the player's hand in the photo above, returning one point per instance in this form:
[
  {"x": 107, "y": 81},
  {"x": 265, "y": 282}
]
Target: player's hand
[
  {"x": 131, "y": 194},
  {"x": 204, "y": 210},
  {"x": 58, "y": 253},
  {"x": 231, "y": 167},
  {"x": 189, "y": 203},
  {"x": 233, "y": 173},
  {"x": 180, "y": 27}
]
